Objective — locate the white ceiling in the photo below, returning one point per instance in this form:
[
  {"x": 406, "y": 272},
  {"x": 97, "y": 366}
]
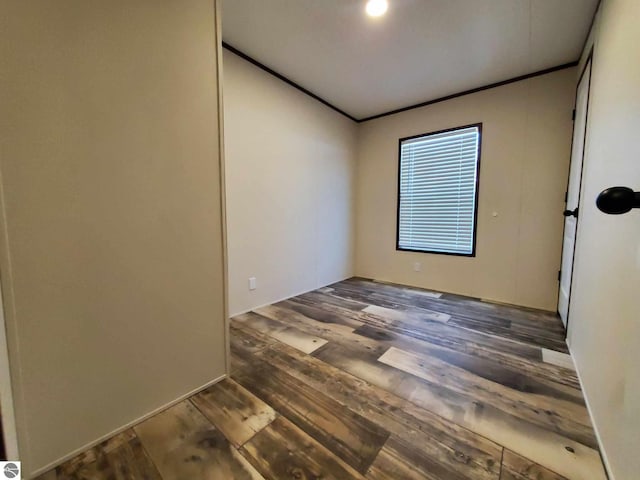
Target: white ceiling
[{"x": 419, "y": 51}]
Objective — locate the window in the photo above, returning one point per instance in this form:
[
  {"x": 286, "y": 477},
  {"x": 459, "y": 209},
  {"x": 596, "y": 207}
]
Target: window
[{"x": 438, "y": 191}]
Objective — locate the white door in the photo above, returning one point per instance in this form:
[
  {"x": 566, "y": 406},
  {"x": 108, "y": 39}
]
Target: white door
[{"x": 573, "y": 192}]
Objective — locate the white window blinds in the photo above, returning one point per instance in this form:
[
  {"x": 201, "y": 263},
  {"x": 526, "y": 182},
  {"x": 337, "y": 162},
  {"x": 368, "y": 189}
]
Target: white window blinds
[{"x": 438, "y": 185}]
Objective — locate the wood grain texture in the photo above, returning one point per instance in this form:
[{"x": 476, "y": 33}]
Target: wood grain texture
[
  {"x": 237, "y": 413},
  {"x": 450, "y": 302},
  {"x": 402, "y": 460},
  {"x": 129, "y": 462},
  {"x": 533, "y": 429},
  {"x": 282, "y": 313},
  {"x": 435, "y": 332},
  {"x": 557, "y": 415},
  {"x": 570, "y": 419},
  {"x": 348, "y": 435},
  {"x": 531, "y": 379},
  {"x": 545, "y": 446},
  {"x": 122, "y": 457},
  {"x": 516, "y": 467},
  {"x": 519, "y": 324},
  {"x": 320, "y": 315},
  {"x": 282, "y": 451},
  {"x": 91, "y": 455},
  {"x": 183, "y": 444},
  {"x": 244, "y": 344},
  {"x": 290, "y": 335},
  {"x": 315, "y": 298},
  {"x": 518, "y": 355},
  {"x": 519, "y": 413},
  {"x": 453, "y": 447},
  {"x": 407, "y": 316}
]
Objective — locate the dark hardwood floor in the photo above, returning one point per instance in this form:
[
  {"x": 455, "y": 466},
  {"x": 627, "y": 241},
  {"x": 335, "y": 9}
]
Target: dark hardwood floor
[{"x": 369, "y": 380}]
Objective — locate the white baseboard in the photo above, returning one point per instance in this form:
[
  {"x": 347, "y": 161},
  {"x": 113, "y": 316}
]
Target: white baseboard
[
  {"x": 603, "y": 452},
  {"x": 289, "y": 296},
  {"x": 121, "y": 429}
]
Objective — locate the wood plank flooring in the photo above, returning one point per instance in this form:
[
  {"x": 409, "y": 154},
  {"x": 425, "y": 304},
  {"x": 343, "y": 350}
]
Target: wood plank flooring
[{"x": 365, "y": 380}]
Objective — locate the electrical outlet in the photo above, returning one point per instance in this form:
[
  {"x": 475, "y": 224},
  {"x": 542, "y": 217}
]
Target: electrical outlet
[
  {"x": 252, "y": 283},
  {"x": 417, "y": 267}
]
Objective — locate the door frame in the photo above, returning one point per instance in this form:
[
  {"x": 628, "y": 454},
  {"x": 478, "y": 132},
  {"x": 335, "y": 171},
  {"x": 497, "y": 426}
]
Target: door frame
[
  {"x": 9, "y": 428},
  {"x": 588, "y": 63}
]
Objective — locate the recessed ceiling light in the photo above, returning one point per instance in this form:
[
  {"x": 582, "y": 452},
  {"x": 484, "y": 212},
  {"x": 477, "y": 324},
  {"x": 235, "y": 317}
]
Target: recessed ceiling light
[{"x": 377, "y": 8}]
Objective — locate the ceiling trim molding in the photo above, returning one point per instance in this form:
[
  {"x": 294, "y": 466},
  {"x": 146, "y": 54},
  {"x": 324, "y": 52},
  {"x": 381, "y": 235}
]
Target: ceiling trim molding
[
  {"x": 285, "y": 79},
  {"x": 290, "y": 82},
  {"x": 473, "y": 90}
]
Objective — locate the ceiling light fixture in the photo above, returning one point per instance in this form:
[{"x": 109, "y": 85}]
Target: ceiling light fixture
[{"x": 377, "y": 8}]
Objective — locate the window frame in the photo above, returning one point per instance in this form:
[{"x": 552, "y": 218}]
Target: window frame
[{"x": 475, "y": 206}]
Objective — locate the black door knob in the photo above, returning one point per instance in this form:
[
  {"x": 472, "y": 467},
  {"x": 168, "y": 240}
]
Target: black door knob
[
  {"x": 571, "y": 213},
  {"x": 618, "y": 200}
]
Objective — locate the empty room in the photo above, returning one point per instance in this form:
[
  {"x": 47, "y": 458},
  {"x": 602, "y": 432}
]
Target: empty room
[{"x": 320, "y": 239}]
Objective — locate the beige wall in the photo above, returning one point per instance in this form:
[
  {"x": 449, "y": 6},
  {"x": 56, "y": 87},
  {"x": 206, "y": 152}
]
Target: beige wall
[
  {"x": 290, "y": 165},
  {"x": 604, "y": 315},
  {"x": 111, "y": 252},
  {"x": 523, "y": 175}
]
